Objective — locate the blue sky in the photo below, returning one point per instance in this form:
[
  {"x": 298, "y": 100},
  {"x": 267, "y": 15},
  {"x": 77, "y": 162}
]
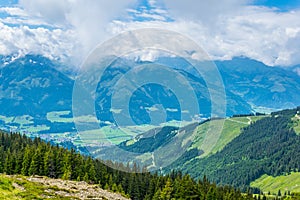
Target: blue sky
[
  {"x": 8, "y": 2},
  {"x": 281, "y": 4}
]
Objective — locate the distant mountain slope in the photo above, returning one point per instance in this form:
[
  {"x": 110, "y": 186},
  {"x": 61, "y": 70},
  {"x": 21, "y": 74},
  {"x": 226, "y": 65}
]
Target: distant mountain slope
[
  {"x": 261, "y": 85},
  {"x": 149, "y": 95},
  {"x": 268, "y": 146},
  {"x": 153, "y": 141},
  {"x": 32, "y": 85}
]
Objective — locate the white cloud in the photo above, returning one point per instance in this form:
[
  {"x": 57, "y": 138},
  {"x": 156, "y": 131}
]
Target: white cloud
[
  {"x": 18, "y": 16},
  {"x": 69, "y": 28},
  {"x": 23, "y": 21},
  {"x": 144, "y": 55},
  {"x": 206, "y": 12},
  {"x": 260, "y": 33},
  {"x": 151, "y": 16},
  {"x": 222, "y": 28},
  {"x": 297, "y": 70},
  {"x": 15, "y": 11},
  {"x": 88, "y": 18},
  {"x": 152, "y": 3},
  {"x": 24, "y": 40}
]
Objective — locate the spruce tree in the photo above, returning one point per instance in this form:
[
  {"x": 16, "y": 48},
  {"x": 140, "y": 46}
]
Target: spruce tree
[{"x": 26, "y": 161}]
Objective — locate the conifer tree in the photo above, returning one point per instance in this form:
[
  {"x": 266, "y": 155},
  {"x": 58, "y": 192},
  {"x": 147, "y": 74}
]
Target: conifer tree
[{"x": 26, "y": 161}]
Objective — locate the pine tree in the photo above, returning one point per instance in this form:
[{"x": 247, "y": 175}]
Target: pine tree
[
  {"x": 58, "y": 162},
  {"x": 52, "y": 168},
  {"x": 1, "y": 167},
  {"x": 26, "y": 161},
  {"x": 8, "y": 168},
  {"x": 106, "y": 187},
  {"x": 86, "y": 177},
  {"x": 35, "y": 165},
  {"x": 114, "y": 187},
  {"x": 67, "y": 173},
  {"x": 46, "y": 164},
  {"x": 77, "y": 169},
  {"x": 90, "y": 169},
  {"x": 66, "y": 169},
  {"x": 157, "y": 194},
  {"x": 211, "y": 195},
  {"x": 120, "y": 190},
  {"x": 279, "y": 193},
  {"x": 166, "y": 192}
]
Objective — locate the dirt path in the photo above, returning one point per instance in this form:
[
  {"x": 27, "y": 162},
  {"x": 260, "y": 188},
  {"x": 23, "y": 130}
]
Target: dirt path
[
  {"x": 237, "y": 121},
  {"x": 250, "y": 120}
]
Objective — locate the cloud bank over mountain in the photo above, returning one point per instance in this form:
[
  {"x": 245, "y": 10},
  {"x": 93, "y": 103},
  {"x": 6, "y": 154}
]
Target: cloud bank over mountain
[{"x": 69, "y": 29}]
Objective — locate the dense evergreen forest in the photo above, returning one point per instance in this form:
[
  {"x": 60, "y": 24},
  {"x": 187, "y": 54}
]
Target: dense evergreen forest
[
  {"x": 22, "y": 155},
  {"x": 269, "y": 146}
]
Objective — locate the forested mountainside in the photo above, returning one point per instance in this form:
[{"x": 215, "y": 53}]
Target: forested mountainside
[
  {"x": 268, "y": 146},
  {"x": 22, "y": 155}
]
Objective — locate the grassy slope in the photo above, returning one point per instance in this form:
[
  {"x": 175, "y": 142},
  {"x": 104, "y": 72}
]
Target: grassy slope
[
  {"x": 231, "y": 129},
  {"x": 273, "y": 184},
  {"x": 296, "y": 123}
]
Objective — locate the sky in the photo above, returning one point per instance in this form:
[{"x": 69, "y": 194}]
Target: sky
[{"x": 67, "y": 30}]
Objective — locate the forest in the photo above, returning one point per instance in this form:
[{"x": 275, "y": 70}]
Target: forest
[{"x": 22, "y": 155}]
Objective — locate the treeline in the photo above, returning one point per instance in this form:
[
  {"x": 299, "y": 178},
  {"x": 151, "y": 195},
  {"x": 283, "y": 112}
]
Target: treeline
[
  {"x": 22, "y": 155},
  {"x": 249, "y": 115},
  {"x": 268, "y": 146}
]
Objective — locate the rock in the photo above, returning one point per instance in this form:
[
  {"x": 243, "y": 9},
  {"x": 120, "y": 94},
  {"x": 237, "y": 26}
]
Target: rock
[{"x": 81, "y": 190}]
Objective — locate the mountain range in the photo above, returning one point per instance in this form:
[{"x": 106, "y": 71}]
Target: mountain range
[{"x": 34, "y": 87}]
